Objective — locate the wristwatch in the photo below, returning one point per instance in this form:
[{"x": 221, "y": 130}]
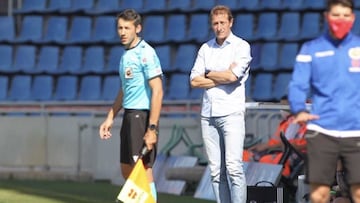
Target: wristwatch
[{"x": 153, "y": 127}]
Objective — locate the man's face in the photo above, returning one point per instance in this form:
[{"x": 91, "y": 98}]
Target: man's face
[
  {"x": 127, "y": 32},
  {"x": 338, "y": 12},
  {"x": 221, "y": 26}
]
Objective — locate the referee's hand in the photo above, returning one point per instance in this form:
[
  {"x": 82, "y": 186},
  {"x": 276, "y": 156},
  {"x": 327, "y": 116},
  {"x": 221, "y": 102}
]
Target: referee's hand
[
  {"x": 104, "y": 130},
  {"x": 150, "y": 139}
]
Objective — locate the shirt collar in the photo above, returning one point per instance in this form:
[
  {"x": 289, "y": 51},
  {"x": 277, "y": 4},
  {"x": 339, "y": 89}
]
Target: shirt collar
[
  {"x": 227, "y": 41},
  {"x": 337, "y": 42}
]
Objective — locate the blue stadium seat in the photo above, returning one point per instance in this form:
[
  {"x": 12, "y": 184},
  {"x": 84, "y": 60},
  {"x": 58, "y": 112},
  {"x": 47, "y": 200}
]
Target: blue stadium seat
[
  {"x": 176, "y": 28},
  {"x": 317, "y": 5},
  {"x": 262, "y": 90},
  {"x": 271, "y": 5},
  {"x": 201, "y": 5},
  {"x": 288, "y": 54},
  {"x": 255, "y": 54},
  {"x": 289, "y": 26},
  {"x": 56, "y": 30},
  {"x": 66, "y": 88},
  {"x": 48, "y": 60},
  {"x": 164, "y": 54},
  {"x": 111, "y": 87},
  {"x": 357, "y": 4},
  {"x": 105, "y": 30},
  {"x": 90, "y": 88},
  {"x": 176, "y": 5},
  {"x": 154, "y": 29},
  {"x": 104, "y": 7},
  {"x": 179, "y": 87},
  {"x": 269, "y": 56},
  {"x": 311, "y": 25},
  {"x": 78, "y": 7},
  {"x": 31, "y": 7},
  {"x": 6, "y": 59},
  {"x": 137, "y": 5},
  {"x": 281, "y": 86},
  {"x": 233, "y": 4},
  {"x": 267, "y": 26},
  {"x": 42, "y": 88},
  {"x": 4, "y": 85},
  {"x": 356, "y": 25},
  {"x": 196, "y": 93},
  {"x": 80, "y": 30},
  {"x": 295, "y": 5},
  {"x": 155, "y": 6},
  {"x": 185, "y": 57},
  {"x": 244, "y": 26},
  {"x": 250, "y": 5},
  {"x": 71, "y": 60},
  {"x": 7, "y": 27},
  {"x": 20, "y": 88},
  {"x": 25, "y": 58},
  {"x": 199, "y": 28},
  {"x": 113, "y": 60},
  {"x": 93, "y": 60},
  {"x": 31, "y": 29},
  {"x": 55, "y": 6}
]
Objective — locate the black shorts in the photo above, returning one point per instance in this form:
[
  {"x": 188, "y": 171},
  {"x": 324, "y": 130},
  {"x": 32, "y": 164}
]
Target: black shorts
[
  {"x": 134, "y": 126},
  {"x": 324, "y": 151}
]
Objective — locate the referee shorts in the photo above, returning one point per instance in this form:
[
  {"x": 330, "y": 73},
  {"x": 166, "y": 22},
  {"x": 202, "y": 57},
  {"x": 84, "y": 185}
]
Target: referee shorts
[
  {"x": 134, "y": 126},
  {"x": 323, "y": 152}
]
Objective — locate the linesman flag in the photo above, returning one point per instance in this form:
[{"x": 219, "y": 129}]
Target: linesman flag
[{"x": 137, "y": 188}]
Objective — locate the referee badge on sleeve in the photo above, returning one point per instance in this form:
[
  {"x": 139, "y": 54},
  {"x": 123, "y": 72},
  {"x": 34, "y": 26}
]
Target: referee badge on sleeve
[{"x": 128, "y": 72}]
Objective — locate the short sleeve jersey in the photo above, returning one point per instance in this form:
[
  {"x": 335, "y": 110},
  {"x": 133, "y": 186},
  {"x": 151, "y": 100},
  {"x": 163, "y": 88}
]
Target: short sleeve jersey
[{"x": 137, "y": 66}]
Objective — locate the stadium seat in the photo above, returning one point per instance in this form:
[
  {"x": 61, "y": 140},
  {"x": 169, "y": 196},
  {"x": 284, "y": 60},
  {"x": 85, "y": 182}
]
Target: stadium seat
[
  {"x": 244, "y": 26},
  {"x": 255, "y": 54},
  {"x": 80, "y": 30},
  {"x": 78, "y": 7},
  {"x": 233, "y": 4},
  {"x": 281, "y": 86},
  {"x": 151, "y": 6},
  {"x": 199, "y": 28},
  {"x": 113, "y": 60},
  {"x": 316, "y": 5},
  {"x": 25, "y": 58},
  {"x": 90, "y": 88},
  {"x": 55, "y": 6},
  {"x": 250, "y": 5},
  {"x": 7, "y": 27},
  {"x": 71, "y": 60},
  {"x": 31, "y": 7},
  {"x": 42, "y": 88},
  {"x": 179, "y": 87},
  {"x": 104, "y": 7},
  {"x": 164, "y": 54},
  {"x": 295, "y": 5},
  {"x": 176, "y": 5},
  {"x": 66, "y": 88},
  {"x": 271, "y": 5},
  {"x": 4, "y": 85},
  {"x": 267, "y": 26},
  {"x": 6, "y": 59},
  {"x": 196, "y": 93},
  {"x": 20, "y": 88},
  {"x": 154, "y": 29},
  {"x": 288, "y": 52},
  {"x": 48, "y": 60},
  {"x": 56, "y": 30},
  {"x": 269, "y": 56},
  {"x": 93, "y": 60},
  {"x": 357, "y": 4},
  {"x": 111, "y": 86},
  {"x": 31, "y": 29},
  {"x": 262, "y": 90},
  {"x": 311, "y": 25},
  {"x": 185, "y": 57},
  {"x": 105, "y": 30},
  {"x": 289, "y": 26},
  {"x": 356, "y": 25},
  {"x": 137, "y": 5},
  {"x": 176, "y": 28},
  {"x": 201, "y": 5}
]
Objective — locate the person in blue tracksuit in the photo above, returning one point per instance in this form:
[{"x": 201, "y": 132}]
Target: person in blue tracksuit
[{"x": 328, "y": 68}]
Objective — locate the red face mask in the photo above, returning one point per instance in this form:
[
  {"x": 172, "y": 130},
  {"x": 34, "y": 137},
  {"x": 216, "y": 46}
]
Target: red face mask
[{"x": 339, "y": 28}]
